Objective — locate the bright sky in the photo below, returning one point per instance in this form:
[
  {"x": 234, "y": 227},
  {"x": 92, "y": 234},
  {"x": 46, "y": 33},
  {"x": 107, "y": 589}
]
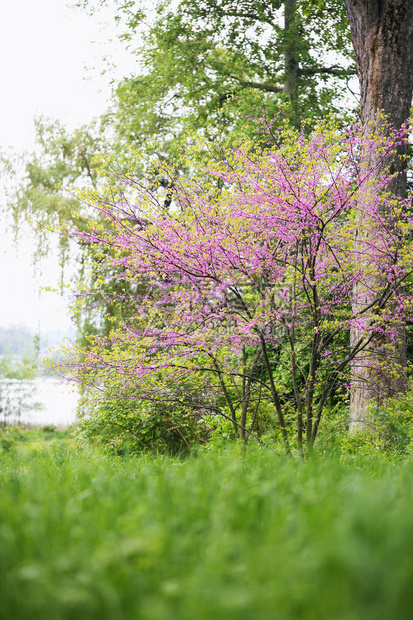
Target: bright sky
[{"x": 51, "y": 65}]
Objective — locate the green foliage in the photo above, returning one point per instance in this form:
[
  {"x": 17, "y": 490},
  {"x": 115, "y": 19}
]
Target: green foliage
[
  {"x": 219, "y": 430},
  {"x": 388, "y": 435},
  {"x": 48, "y": 177},
  {"x": 389, "y": 432},
  {"x": 205, "y": 65},
  {"x": 127, "y": 426},
  {"x": 219, "y": 535},
  {"x": 16, "y": 439}
]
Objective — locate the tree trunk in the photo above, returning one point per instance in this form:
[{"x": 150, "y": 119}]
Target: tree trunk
[
  {"x": 382, "y": 34},
  {"x": 290, "y": 52}
]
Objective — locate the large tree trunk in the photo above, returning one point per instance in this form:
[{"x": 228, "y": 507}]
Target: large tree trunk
[{"x": 382, "y": 33}]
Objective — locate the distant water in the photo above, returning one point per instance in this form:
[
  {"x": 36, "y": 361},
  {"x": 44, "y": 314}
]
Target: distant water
[{"x": 39, "y": 402}]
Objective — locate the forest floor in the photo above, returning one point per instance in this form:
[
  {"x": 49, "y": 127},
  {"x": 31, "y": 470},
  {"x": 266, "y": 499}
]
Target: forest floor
[{"x": 220, "y": 534}]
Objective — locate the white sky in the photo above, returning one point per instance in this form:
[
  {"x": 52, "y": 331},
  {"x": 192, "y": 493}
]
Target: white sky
[{"x": 51, "y": 62}]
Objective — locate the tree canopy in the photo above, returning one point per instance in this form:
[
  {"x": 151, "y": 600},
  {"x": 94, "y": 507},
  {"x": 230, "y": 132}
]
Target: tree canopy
[{"x": 207, "y": 64}]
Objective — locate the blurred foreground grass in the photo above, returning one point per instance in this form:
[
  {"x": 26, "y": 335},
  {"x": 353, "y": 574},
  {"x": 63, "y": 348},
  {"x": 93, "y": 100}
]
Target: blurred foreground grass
[{"x": 218, "y": 535}]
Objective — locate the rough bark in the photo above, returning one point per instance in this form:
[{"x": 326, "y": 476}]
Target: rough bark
[{"x": 382, "y": 34}]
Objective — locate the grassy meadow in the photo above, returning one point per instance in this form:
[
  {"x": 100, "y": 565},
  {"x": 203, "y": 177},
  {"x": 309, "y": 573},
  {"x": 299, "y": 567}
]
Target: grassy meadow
[{"x": 219, "y": 534}]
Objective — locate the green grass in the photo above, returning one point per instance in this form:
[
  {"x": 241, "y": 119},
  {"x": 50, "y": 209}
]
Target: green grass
[{"x": 218, "y": 535}]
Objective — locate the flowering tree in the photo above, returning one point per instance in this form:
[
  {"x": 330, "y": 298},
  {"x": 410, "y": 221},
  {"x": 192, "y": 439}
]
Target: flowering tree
[{"x": 244, "y": 278}]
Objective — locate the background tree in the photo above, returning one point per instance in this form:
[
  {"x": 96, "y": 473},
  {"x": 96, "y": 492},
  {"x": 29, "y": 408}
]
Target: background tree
[
  {"x": 200, "y": 60},
  {"x": 382, "y": 34},
  {"x": 62, "y": 161}
]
